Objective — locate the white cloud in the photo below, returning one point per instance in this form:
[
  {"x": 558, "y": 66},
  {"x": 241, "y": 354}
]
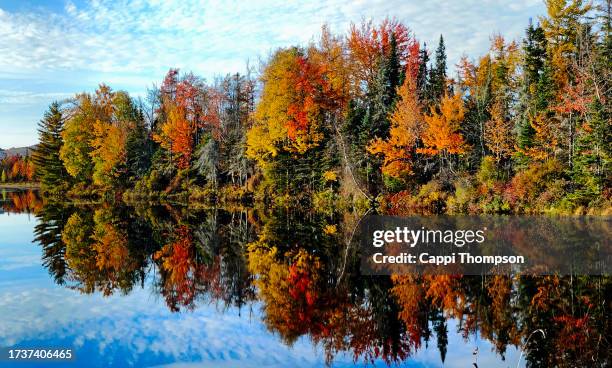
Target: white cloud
[
  {"x": 154, "y": 35},
  {"x": 134, "y": 329},
  {"x": 27, "y": 97}
]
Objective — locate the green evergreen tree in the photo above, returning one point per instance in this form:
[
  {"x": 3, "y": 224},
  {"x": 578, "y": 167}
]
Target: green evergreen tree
[
  {"x": 422, "y": 73},
  {"x": 49, "y": 168},
  {"x": 537, "y": 82},
  {"x": 591, "y": 170},
  {"x": 437, "y": 74},
  {"x": 383, "y": 93},
  {"x": 138, "y": 147},
  {"x": 534, "y": 47},
  {"x": 396, "y": 73}
]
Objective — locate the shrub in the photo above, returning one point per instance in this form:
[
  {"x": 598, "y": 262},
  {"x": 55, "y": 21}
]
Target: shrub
[
  {"x": 489, "y": 174},
  {"x": 430, "y": 199},
  {"x": 465, "y": 194},
  {"x": 392, "y": 184},
  {"x": 527, "y": 186}
]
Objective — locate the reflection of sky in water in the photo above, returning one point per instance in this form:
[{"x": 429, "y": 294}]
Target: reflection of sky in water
[{"x": 139, "y": 330}]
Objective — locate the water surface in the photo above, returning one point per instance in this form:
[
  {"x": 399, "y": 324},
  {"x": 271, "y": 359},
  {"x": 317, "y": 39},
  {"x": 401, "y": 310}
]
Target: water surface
[{"x": 170, "y": 286}]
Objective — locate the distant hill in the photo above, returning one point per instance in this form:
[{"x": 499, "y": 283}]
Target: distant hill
[{"x": 21, "y": 151}]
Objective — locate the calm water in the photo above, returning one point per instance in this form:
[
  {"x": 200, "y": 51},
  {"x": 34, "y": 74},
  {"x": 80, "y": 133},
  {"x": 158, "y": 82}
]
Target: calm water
[{"x": 167, "y": 286}]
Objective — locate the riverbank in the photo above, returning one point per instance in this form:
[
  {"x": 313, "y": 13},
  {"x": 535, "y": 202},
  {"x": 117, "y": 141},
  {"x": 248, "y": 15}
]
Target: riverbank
[{"x": 19, "y": 185}]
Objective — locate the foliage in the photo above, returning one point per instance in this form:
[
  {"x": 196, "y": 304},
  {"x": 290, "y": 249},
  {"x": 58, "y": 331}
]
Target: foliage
[
  {"x": 530, "y": 185},
  {"x": 49, "y": 169},
  {"x": 358, "y": 119},
  {"x": 498, "y": 134},
  {"x": 442, "y": 134},
  {"x": 17, "y": 169},
  {"x": 406, "y": 130},
  {"x": 78, "y": 134}
]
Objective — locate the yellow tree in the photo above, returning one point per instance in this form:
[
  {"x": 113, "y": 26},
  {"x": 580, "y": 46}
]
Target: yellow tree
[
  {"x": 498, "y": 133},
  {"x": 269, "y": 131},
  {"x": 504, "y": 65},
  {"x": 492, "y": 79},
  {"x": 108, "y": 153},
  {"x": 442, "y": 134},
  {"x": 562, "y": 27},
  {"x": 77, "y": 136},
  {"x": 289, "y": 113},
  {"x": 406, "y": 129},
  {"x": 545, "y": 140},
  {"x": 110, "y": 135}
]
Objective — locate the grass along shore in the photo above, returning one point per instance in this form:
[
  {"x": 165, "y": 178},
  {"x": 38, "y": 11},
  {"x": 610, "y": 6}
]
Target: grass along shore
[{"x": 28, "y": 185}]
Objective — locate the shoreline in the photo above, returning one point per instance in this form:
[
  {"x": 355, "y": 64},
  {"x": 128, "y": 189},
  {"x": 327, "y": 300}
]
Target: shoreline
[{"x": 19, "y": 185}]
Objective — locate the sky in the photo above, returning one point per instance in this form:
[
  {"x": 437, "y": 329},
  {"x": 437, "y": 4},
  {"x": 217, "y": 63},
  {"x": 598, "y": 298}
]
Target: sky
[{"x": 50, "y": 50}]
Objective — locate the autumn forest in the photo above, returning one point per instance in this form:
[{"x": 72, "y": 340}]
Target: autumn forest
[
  {"x": 366, "y": 118},
  {"x": 246, "y": 190}
]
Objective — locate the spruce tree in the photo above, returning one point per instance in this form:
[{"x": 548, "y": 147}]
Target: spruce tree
[
  {"x": 138, "y": 147},
  {"x": 383, "y": 93},
  {"x": 536, "y": 83},
  {"x": 49, "y": 168},
  {"x": 534, "y": 47},
  {"x": 437, "y": 74},
  {"x": 591, "y": 170},
  {"x": 422, "y": 73},
  {"x": 395, "y": 70}
]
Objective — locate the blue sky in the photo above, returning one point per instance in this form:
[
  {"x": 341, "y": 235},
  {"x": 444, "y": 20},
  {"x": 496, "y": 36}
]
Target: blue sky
[{"x": 50, "y": 50}]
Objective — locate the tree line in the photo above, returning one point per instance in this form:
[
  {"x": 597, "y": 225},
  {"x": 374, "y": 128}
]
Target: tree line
[
  {"x": 360, "y": 118},
  {"x": 16, "y": 168}
]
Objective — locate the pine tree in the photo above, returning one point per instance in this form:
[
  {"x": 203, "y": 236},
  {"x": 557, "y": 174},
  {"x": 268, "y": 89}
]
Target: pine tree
[
  {"x": 3, "y": 179},
  {"x": 422, "y": 73},
  {"x": 395, "y": 71},
  {"x": 437, "y": 74},
  {"x": 384, "y": 92},
  {"x": 534, "y": 47},
  {"x": 49, "y": 168},
  {"x": 537, "y": 79},
  {"x": 137, "y": 146},
  {"x": 591, "y": 171}
]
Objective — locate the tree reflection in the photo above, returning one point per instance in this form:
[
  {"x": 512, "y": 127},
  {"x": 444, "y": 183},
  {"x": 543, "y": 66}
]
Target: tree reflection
[
  {"x": 100, "y": 253},
  {"x": 297, "y": 266},
  {"x": 296, "y": 263},
  {"x": 26, "y": 201},
  {"x": 572, "y": 312},
  {"x": 178, "y": 270},
  {"x": 48, "y": 233}
]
